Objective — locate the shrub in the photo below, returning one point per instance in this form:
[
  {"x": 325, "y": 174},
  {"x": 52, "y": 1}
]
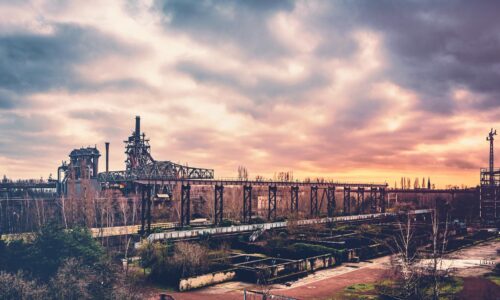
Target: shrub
[
  {"x": 302, "y": 250},
  {"x": 17, "y": 287},
  {"x": 74, "y": 280},
  {"x": 53, "y": 245},
  {"x": 167, "y": 266}
]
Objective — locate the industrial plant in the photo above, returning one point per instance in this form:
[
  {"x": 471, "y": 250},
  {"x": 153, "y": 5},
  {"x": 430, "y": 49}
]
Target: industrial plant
[{"x": 277, "y": 230}]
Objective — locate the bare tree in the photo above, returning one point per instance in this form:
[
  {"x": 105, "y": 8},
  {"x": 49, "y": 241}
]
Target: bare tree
[
  {"x": 405, "y": 255},
  {"x": 191, "y": 258},
  {"x": 242, "y": 173},
  {"x": 439, "y": 242}
]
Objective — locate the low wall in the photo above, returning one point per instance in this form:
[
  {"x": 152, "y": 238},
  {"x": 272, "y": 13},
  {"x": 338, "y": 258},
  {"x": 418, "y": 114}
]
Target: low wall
[
  {"x": 195, "y": 282},
  {"x": 320, "y": 262}
]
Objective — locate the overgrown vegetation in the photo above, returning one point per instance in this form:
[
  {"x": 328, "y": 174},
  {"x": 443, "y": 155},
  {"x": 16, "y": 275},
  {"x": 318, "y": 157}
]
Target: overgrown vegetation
[
  {"x": 168, "y": 263},
  {"x": 495, "y": 274},
  {"x": 60, "y": 264}
]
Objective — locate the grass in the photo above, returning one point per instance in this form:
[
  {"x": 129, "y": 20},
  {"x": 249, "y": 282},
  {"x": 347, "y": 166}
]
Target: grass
[
  {"x": 452, "y": 287},
  {"x": 360, "y": 288},
  {"x": 386, "y": 283},
  {"x": 448, "y": 288},
  {"x": 494, "y": 278},
  {"x": 365, "y": 291}
]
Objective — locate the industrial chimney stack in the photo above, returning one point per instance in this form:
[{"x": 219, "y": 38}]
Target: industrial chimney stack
[
  {"x": 137, "y": 128},
  {"x": 107, "y": 158},
  {"x": 491, "y": 138}
]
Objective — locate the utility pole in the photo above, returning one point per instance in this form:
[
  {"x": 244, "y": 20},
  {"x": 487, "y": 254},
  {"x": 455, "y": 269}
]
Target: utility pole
[{"x": 490, "y": 138}]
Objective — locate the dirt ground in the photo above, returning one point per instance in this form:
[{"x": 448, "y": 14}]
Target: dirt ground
[
  {"x": 479, "y": 288},
  {"x": 475, "y": 261},
  {"x": 470, "y": 263}
]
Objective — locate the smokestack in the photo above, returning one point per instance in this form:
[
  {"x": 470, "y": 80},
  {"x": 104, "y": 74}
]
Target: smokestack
[
  {"x": 107, "y": 158},
  {"x": 137, "y": 127}
]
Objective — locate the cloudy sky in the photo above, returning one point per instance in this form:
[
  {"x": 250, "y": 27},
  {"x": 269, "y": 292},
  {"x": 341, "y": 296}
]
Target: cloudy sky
[{"x": 352, "y": 90}]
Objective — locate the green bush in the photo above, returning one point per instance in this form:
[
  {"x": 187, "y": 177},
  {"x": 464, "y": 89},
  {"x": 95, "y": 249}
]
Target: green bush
[
  {"x": 53, "y": 245},
  {"x": 58, "y": 264},
  {"x": 302, "y": 250}
]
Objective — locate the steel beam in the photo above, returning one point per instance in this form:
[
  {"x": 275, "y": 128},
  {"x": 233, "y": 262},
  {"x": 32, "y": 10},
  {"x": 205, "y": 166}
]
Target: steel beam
[
  {"x": 149, "y": 200},
  {"x": 330, "y": 195},
  {"x": 143, "y": 209},
  {"x": 383, "y": 200},
  {"x": 219, "y": 204},
  {"x": 247, "y": 203},
  {"x": 314, "y": 201},
  {"x": 294, "y": 200},
  {"x": 347, "y": 200},
  {"x": 271, "y": 212},
  {"x": 185, "y": 204},
  {"x": 360, "y": 200},
  {"x": 373, "y": 199},
  {"x": 120, "y": 176}
]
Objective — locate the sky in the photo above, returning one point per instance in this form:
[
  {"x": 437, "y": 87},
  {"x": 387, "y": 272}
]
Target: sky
[{"x": 348, "y": 90}]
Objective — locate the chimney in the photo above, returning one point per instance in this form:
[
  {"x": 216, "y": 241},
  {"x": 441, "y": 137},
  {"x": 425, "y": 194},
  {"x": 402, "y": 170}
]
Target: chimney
[
  {"x": 107, "y": 158},
  {"x": 137, "y": 127}
]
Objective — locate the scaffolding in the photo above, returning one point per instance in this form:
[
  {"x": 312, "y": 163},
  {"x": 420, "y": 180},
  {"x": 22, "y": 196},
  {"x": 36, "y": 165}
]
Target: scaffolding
[
  {"x": 490, "y": 194},
  {"x": 490, "y": 186}
]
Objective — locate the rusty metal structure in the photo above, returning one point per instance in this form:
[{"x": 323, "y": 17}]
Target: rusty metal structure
[
  {"x": 377, "y": 198},
  {"x": 151, "y": 180},
  {"x": 140, "y": 164},
  {"x": 83, "y": 166},
  {"x": 490, "y": 186}
]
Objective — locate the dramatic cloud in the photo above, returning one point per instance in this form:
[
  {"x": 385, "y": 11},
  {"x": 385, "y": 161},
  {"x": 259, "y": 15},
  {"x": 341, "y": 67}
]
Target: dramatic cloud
[{"x": 353, "y": 90}]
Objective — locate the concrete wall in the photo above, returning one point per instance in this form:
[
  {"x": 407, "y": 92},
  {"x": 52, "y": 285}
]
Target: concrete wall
[
  {"x": 320, "y": 262},
  {"x": 195, "y": 282}
]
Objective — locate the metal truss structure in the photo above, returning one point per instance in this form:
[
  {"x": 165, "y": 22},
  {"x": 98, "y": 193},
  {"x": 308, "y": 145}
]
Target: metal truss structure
[
  {"x": 185, "y": 204},
  {"x": 314, "y": 201},
  {"x": 247, "y": 203},
  {"x": 489, "y": 197},
  {"x": 219, "y": 204},
  {"x": 381, "y": 199},
  {"x": 347, "y": 201},
  {"x": 271, "y": 213},
  {"x": 146, "y": 209},
  {"x": 360, "y": 200},
  {"x": 140, "y": 164},
  {"x": 294, "y": 200},
  {"x": 373, "y": 199},
  {"x": 330, "y": 192}
]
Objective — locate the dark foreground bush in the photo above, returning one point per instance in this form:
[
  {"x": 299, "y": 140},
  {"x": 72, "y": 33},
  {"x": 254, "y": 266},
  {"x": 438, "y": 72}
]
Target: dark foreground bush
[
  {"x": 15, "y": 286},
  {"x": 59, "y": 264}
]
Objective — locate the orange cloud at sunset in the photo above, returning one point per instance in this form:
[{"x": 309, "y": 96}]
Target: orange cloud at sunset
[{"x": 306, "y": 86}]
